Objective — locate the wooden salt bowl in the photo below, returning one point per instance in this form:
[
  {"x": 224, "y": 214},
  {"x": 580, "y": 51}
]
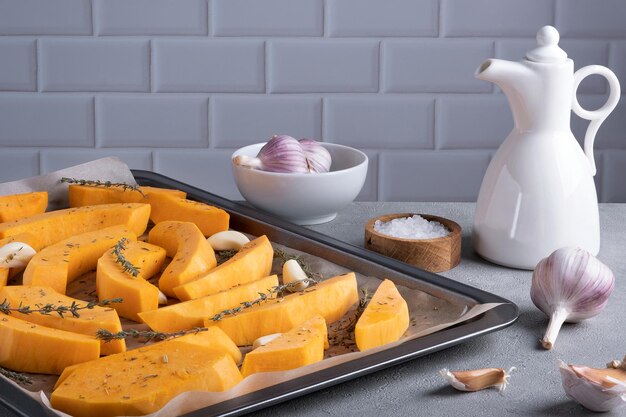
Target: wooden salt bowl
[{"x": 434, "y": 255}]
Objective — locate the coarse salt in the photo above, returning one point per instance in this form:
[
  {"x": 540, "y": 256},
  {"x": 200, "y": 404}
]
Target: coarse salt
[{"x": 415, "y": 227}]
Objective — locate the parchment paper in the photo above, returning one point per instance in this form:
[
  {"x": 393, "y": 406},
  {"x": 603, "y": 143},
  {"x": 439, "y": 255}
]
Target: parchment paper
[
  {"x": 428, "y": 314},
  {"x": 105, "y": 169}
]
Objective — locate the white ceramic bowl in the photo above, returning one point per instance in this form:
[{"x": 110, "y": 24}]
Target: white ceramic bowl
[{"x": 304, "y": 198}]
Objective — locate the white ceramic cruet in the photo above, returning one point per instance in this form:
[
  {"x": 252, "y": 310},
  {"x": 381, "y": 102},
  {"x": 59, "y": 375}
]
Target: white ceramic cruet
[{"x": 538, "y": 193}]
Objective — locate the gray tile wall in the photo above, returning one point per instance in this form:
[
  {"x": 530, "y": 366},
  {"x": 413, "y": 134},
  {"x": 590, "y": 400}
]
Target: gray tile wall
[{"x": 176, "y": 85}]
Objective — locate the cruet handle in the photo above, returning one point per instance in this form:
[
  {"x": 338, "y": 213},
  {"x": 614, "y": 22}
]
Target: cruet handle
[{"x": 596, "y": 117}]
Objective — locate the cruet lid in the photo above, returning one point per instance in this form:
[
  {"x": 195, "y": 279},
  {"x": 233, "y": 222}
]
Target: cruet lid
[{"x": 548, "y": 50}]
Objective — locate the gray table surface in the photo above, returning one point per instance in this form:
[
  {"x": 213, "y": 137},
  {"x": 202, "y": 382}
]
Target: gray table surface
[{"x": 415, "y": 388}]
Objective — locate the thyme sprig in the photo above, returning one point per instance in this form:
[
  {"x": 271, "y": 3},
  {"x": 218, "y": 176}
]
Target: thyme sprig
[
  {"x": 275, "y": 292},
  {"x": 224, "y": 255},
  {"x": 106, "y": 184},
  {"x": 284, "y": 257},
  {"x": 61, "y": 310},
  {"x": 118, "y": 251},
  {"x": 16, "y": 376},
  {"x": 149, "y": 335}
]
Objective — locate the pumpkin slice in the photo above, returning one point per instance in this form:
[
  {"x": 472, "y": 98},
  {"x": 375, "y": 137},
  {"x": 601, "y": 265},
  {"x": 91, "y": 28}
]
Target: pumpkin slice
[
  {"x": 28, "y": 238},
  {"x": 19, "y": 206},
  {"x": 252, "y": 262},
  {"x": 211, "y": 338},
  {"x": 29, "y": 347},
  {"x": 54, "y": 226},
  {"x": 190, "y": 314},
  {"x": 87, "y": 195},
  {"x": 191, "y": 254},
  {"x": 61, "y": 263},
  {"x": 300, "y": 346},
  {"x": 330, "y": 299},
  {"x": 88, "y": 323},
  {"x": 384, "y": 320},
  {"x": 209, "y": 219},
  {"x": 138, "y": 294},
  {"x": 143, "y": 380}
]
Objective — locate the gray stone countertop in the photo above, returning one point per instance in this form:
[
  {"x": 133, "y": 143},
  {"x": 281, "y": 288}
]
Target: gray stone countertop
[{"x": 415, "y": 388}]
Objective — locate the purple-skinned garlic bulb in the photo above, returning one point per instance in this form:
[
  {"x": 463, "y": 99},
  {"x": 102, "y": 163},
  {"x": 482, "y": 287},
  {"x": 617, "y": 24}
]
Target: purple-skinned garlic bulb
[
  {"x": 318, "y": 158},
  {"x": 281, "y": 153},
  {"x": 570, "y": 285}
]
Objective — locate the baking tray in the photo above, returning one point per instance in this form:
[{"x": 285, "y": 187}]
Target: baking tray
[{"x": 252, "y": 221}]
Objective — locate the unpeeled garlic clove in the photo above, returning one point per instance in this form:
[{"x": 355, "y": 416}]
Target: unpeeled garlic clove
[
  {"x": 228, "y": 240},
  {"x": 264, "y": 340},
  {"x": 477, "y": 379},
  {"x": 617, "y": 364},
  {"x": 162, "y": 298},
  {"x": 598, "y": 390},
  {"x": 293, "y": 273},
  {"x": 16, "y": 255}
]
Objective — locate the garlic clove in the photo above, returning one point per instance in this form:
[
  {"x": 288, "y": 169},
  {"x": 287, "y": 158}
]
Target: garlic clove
[
  {"x": 318, "y": 157},
  {"x": 293, "y": 273},
  {"x": 570, "y": 285},
  {"x": 477, "y": 379},
  {"x": 264, "y": 340},
  {"x": 228, "y": 240},
  {"x": 608, "y": 377},
  {"x": 617, "y": 364},
  {"x": 162, "y": 299},
  {"x": 594, "y": 389},
  {"x": 16, "y": 255}
]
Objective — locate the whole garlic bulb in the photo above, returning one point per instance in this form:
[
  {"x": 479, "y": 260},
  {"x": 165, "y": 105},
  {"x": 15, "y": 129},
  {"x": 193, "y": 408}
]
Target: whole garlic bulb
[
  {"x": 570, "y": 285},
  {"x": 318, "y": 158},
  {"x": 281, "y": 153}
]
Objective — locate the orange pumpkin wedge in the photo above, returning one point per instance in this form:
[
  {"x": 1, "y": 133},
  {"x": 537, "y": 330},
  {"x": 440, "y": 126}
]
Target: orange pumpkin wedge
[
  {"x": 29, "y": 347},
  {"x": 28, "y": 238},
  {"x": 61, "y": 263},
  {"x": 252, "y": 262},
  {"x": 190, "y": 314},
  {"x": 138, "y": 294},
  {"x": 300, "y": 346},
  {"x": 87, "y": 195},
  {"x": 19, "y": 206},
  {"x": 143, "y": 380},
  {"x": 384, "y": 320},
  {"x": 191, "y": 254},
  {"x": 88, "y": 323},
  {"x": 209, "y": 219},
  {"x": 330, "y": 299},
  {"x": 54, "y": 226}
]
